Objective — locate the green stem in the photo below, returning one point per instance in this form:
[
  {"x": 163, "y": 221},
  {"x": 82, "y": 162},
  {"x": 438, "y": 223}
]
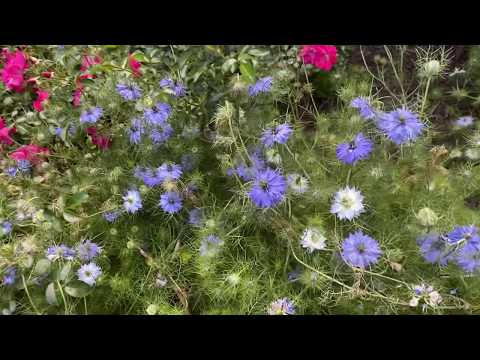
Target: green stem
[
  {"x": 28, "y": 296},
  {"x": 63, "y": 297}
]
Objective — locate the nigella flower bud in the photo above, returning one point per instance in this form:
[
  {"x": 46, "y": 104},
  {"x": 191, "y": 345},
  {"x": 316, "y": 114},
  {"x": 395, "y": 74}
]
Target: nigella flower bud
[
  {"x": 432, "y": 68},
  {"x": 144, "y": 189},
  {"x": 152, "y": 309},
  {"x": 210, "y": 223},
  {"x": 233, "y": 279},
  {"x": 456, "y": 153},
  {"x": 113, "y": 231},
  {"x": 427, "y": 217}
]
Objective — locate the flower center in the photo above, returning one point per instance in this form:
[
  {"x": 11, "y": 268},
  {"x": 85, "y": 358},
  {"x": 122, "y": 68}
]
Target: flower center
[
  {"x": 352, "y": 146},
  {"x": 402, "y": 120},
  {"x": 468, "y": 236},
  {"x": 264, "y": 185},
  {"x": 347, "y": 202},
  {"x": 88, "y": 273},
  {"x": 361, "y": 248}
]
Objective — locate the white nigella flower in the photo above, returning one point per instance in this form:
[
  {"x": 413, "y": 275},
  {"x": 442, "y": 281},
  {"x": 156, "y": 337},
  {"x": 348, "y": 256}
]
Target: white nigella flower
[
  {"x": 347, "y": 204},
  {"x": 312, "y": 239},
  {"x": 298, "y": 183}
]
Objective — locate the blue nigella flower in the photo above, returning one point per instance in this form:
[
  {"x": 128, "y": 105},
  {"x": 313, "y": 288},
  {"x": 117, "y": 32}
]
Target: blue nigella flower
[
  {"x": 24, "y": 166},
  {"x": 129, "y": 92},
  {"x": 158, "y": 115},
  {"x": 6, "y": 227},
  {"x": 283, "y": 306},
  {"x": 171, "y": 202},
  {"x": 468, "y": 259},
  {"x": 179, "y": 90},
  {"x": 87, "y": 250},
  {"x": 11, "y": 171},
  {"x": 132, "y": 201},
  {"x": 167, "y": 83},
  {"x": 464, "y": 121},
  {"x": 358, "y": 149},
  {"x": 467, "y": 234},
  {"x": 60, "y": 252},
  {"x": 88, "y": 273},
  {"x": 434, "y": 248},
  {"x": 10, "y": 276},
  {"x": 360, "y": 250},
  {"x": 363, "y": 105},
  {"x": 169, "y": 172},
  {"x": 161, "y": 134},
  {"x": 279, "y": 135},
  {"x": 91, "y": 116},
  {"x": 195, "y": 217},
  {"x": 268, "y": 189},
  {"x": 136, "y": 130},
  {"x": 401, "y": 126},
  {"x": 111, "y": 216},
  {"x": 263, "y": 85}
]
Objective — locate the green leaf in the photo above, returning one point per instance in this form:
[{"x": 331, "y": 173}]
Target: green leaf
[
  {"x": 50, "y": 294},
  {"x": 79, "y": 290},
  {"x": 258, "y": 53},
  {"x": 71, "y": 218},
  {"x": 140, "y": 57},
  {"x": 248, "y": 72},
  {"x": 229, "y": 65},
  {"x": 76, "y": 200},
  {"x": 42, "y": 267},
  {"x": 62, "y": 276}
]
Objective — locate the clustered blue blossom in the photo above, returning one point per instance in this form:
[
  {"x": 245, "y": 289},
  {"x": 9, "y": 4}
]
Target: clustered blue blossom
[
  {"x": 401, "y": 125},
  {"x": 360, "y": 250},
  {"x": 363, "y": 105},
  {"x": 358, "y": 149},
  {"x": 9, "y": 276},
  {"x": 154, "y": 123},
  {"x": 6, "y": 227},
  {"x": 129, "y": 92},
  {"x": 111, "y": 216},
  {"x": 280, "y": 135},
  {"x": 154, "y": 177},
  {"x": 91, "y": 116},
  {"x": 263, "y": 85},
  {"x": 461, "y": 245},
  {"x": 171, "y": 202},
  {"x": 61, "y": 251},
  {"x": 178, "y": 89}
]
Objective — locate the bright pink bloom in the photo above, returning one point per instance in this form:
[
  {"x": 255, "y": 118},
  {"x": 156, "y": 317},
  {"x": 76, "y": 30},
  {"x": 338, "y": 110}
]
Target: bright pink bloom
[
  {"x": 103, "y": 142},
  {"x": 30, "y": 152},
  {"x": 88, "y": 61},
  {"x": 135, "y": 65},
  {"x": 77, "y": 96},
  {"x": 321, "y": 56},
  {"x": 42, "y": 96},
  {"x": 12, "y": 73},
  {"x": 87, "y": 76},
  {"x": 5, "y": 132}
]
